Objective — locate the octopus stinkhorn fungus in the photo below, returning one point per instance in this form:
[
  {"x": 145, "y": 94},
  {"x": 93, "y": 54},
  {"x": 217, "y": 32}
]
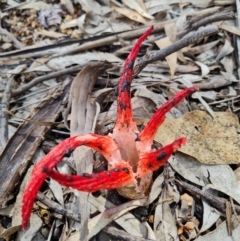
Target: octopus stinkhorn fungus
[{"x": 127, "y": 150}]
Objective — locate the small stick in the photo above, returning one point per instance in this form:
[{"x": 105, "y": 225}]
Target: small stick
[
  {"x": 205, "y": 21},
  {"x": 12, "y": 37},
  {"x": 111, "y": 39},
  {"x": 217, "y": 202},
  {"x": 161, "y": 54},
  {"x": 58, "y": 208},
  {"x": 42, "y": 78},
  {"x": 234, "y": 211},
  {"x": 3, "y": 113},
  {"x": 122, "y": 235}
]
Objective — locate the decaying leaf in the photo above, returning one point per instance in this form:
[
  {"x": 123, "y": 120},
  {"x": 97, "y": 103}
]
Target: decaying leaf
[
  {"x": 221, "y": 234},
  {"x": 208, "y": 176},
  {"x": 210, "y": 141},
  {"x": 51, "y": 16}
]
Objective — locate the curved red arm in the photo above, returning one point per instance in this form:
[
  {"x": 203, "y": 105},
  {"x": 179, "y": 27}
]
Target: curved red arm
[
  {"x": 103, "y": 144},
  {"x": 151, "y": 161},
  {"x": 124, "y": 107},
  {"x": 121, "y": 175},
  {"x": 147, "y": 134}
]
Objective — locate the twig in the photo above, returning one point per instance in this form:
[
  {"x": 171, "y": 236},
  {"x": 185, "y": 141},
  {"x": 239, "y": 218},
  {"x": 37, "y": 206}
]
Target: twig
[
  {"x": 198, "y": 16},
  {"x": 126, "y": 49},
  {"x": 229, "y": 217},
  {"x": 161, "y": 54},
  {"x": 224, "y": 100},
  {"x": 142, "y": 62},
  {"x": 205, "y": 21},
  {"x": 234, "y": 211},
  {"x": 15, "y": 41},
  {"x": 3, "y": 113},
  {"x": 58, "y": 208},
  {"x": 217, "y": 202},
  {"x": 109, "y": 40},
  {"x": 40, "y": 79},
  {"x": 122, "y": 235},
  {"x": 237, "y": 40}
]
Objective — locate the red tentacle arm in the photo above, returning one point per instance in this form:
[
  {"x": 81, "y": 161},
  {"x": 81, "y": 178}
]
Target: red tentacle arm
[
  {"x": 121, "y": 175},
  {"x": 148, "y": 133},
  {"x": 125, "y": 131},
  {"x": 151, "y": 161},
  {"x": 103, "y": 144},
  {"x": 124, "y": 108}
]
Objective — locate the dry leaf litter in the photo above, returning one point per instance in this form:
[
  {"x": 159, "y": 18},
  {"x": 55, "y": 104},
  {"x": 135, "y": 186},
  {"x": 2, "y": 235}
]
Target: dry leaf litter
[{"x": 45, "y": 44}]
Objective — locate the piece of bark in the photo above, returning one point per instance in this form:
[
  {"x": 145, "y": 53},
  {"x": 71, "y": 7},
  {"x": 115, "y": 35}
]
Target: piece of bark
[{"x": 21, "y": 147}]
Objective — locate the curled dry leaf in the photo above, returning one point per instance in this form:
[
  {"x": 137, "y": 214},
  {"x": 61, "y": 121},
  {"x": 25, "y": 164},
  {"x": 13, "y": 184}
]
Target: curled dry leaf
[
  {"x": 164, "y": 221},
  {"x": 210, "y": 216},
  {"x": 136, "y": 6},
  {"x": 172, "y": 58},
  {"x": 228, "y": 63},
  {"x": 226, "y": 50},
  {"x": 131, "y": 14},
  {"x": 51, "y": 16},
  {"x": 204, "y": 68}
]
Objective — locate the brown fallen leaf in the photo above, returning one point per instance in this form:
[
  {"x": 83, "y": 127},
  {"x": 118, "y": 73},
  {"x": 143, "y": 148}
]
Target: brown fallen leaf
[
  {"x": 172, "y": 58},
  {"x": 210, "y": 141}
]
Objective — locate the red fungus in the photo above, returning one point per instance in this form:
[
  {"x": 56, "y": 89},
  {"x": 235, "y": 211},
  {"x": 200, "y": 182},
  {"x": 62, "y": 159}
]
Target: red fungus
[{"x": 127, "y": 151}]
